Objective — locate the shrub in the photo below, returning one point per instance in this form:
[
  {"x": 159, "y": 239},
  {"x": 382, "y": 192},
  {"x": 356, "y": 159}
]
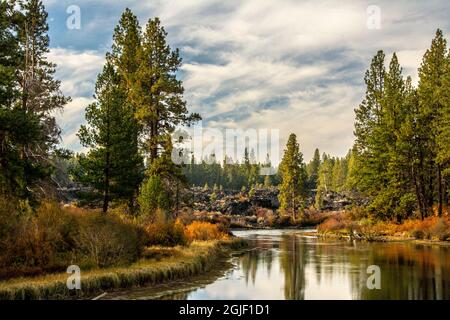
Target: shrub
[
  {"x": 417, "y": 234},
  {"x": 106, "y": 240},
  {"x": 331, "y": 224},
  {"x": 39, "y": 242},
  {"x": 284, "y": 220},
  {"x": 337, "y": 222},
  {"x": 52, "y": 238},
  {"x": 152, "y": 196},
  {"x": 199, "y": 230},
  {"x": 165, "y": 232},
  {"x": 441, "y": 229}
]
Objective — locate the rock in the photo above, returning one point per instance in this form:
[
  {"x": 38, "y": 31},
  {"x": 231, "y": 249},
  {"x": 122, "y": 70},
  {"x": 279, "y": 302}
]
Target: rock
[{"x": 234, "y": 202}]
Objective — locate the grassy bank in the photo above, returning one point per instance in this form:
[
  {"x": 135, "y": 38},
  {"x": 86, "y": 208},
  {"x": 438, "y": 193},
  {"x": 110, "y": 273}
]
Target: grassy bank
[
  {"x": 159, "y": 265},
  {"x": 345, "y": 225}
]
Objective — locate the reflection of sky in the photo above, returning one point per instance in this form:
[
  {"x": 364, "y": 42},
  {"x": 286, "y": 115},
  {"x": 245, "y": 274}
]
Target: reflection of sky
[
  {"x": 312, "y": 268},
  {"x": 334, "y": 280},
  {"x": 267, "y": 286}
]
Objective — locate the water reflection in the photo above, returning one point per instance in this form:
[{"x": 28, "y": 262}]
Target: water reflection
[{"x": 287, "y": 265}]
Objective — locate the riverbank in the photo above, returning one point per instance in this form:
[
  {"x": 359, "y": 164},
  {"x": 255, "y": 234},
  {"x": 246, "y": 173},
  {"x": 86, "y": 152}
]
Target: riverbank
[
  {"x": 162, "y": 264},
  {"x": 431, "y": 230},
  {"x": 346, "y": 236}
]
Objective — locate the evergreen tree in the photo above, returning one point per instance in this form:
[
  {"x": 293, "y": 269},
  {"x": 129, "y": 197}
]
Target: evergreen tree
[
  {"x": 325, "y": 179},
  {"x": 443, "y": 138},
  {"x": 313, "y": 170},
  {"x": 293, "y": 174},
  {"x": 29, "y": 95},
  {"x": 111, "y": 164},
  {"x": 152, "y": 196},
  {"x": 368, "y": 128},
  {"x": 352, "y": 177},
  {"x": 156, "y": 91},
  {"x": 124, "y": 57},
  {"x": 432, "y": 93}
]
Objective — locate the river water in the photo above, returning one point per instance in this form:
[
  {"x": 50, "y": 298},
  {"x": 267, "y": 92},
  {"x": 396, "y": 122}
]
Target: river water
[{"x": 288, "y": 264}]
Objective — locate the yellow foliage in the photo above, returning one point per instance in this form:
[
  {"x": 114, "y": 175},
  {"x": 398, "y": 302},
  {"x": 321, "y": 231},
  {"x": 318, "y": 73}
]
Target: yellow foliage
[{"x": 199, "y": 230}]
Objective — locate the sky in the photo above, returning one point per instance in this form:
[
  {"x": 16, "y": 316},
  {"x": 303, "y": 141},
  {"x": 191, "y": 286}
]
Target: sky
[{"x": 295, "y": 66}]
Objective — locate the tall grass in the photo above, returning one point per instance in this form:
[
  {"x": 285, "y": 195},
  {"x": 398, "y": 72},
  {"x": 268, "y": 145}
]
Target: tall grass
[
  {"x": 50, "y": 238},
  {"x": 183, "y": 262}
]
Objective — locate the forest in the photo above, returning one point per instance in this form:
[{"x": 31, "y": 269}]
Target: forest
[{"x": 130, "y": 195}]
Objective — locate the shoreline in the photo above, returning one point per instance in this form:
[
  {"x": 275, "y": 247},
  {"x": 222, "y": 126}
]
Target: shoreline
[
  {"x": 380, "y": 239},
  {"x": 346, "y": 236},
  {"x": 189, "y": 261}
]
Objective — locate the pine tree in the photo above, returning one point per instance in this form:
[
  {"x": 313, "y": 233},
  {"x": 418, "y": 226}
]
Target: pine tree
[
  {"x": 325, "y": 179},
  {"x": 431, "y": 91},
  {"x": 368, "y": 127},
  {"x": 29, "y": 96},
  {"x": 390, "y": 200},
  {"x": 313, "y": 170},
  {"x": 152, "y": 196},
  {"x": 443, "y": 138},
  {"x": 351, "y": 180},
  {"x": 124, "y": 57},
  {"x": 11, "y": 173},
  {"x": 126, "y": 48},
  {"x": 293, "y": 174},
  {"x": 111, "y": 164},
  {"x": 156, "y": 91}
]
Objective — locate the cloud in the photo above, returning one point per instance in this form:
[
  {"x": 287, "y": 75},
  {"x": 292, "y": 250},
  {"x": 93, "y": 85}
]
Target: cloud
[
  {"x": 293, "y": 65},
  {"x": 70, "y": 119},
  {"x": 77, "y": 69}
]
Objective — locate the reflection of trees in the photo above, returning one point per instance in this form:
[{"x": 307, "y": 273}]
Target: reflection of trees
[
  {"x": 260, "y": 256},
  {"x": 293, "y": 260},
  {"x": 177, "y": 296},
  {"x": 418, "y": 272},
  {"x": 408, "y": 271}
]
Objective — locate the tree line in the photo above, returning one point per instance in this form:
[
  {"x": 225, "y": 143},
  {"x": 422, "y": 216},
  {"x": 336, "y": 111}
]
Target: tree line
[
  {"x": 399, "y": 161},
  {"x": 138, "y": 102},
  {"x": 29, "y": 96},
  {"x": 401, "y": 157},
  {"x": 229, "y": 174}
]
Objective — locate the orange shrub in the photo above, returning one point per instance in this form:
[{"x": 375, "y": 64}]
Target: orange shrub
[
  {"x": 199, "y": 230},
  {"x": 331, "y": 224},
  {"x": 337, "y": 221},
  {"x": 166, "y": 233},
  {"x": 430, "y": 228}
]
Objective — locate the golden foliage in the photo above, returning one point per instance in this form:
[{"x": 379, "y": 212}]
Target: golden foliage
[{"x": 199, "y": 230}]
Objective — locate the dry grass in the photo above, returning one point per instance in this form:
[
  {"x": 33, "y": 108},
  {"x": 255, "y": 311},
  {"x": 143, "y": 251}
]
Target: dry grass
[
  {"x": 182, "y": 262},
  {"x": 431, "y": 228}
]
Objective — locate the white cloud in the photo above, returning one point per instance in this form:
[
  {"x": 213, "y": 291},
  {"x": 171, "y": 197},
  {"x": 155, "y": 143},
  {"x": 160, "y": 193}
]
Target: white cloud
[
  {"x": 295, "y": 65},
  {"x": 70, "y": 119},
  {"x": 77, "y": 69}
]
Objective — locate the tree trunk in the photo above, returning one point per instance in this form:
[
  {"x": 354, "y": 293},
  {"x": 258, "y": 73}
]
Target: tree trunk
[
  {"x": 106, "y": 191},
  {"x": 440, "y": 196}
]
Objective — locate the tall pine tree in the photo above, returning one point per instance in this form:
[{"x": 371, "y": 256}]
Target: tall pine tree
[
  {"x": 111, "y": 164},
  {"x": 157, "y": 92},
  {"x": 294, "y": 178},
  {"x": 431, "y": 91}
]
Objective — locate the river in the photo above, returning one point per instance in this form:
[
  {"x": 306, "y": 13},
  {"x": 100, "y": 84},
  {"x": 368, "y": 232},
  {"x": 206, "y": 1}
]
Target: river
[{"x": 289, "y": 264}]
